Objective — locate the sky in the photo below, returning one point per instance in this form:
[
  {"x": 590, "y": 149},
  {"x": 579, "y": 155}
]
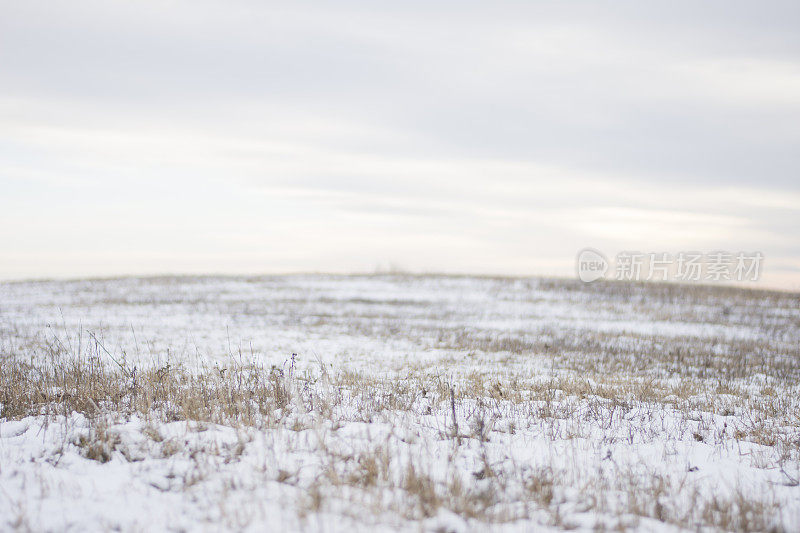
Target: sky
[{"x": 466, "y": 137}]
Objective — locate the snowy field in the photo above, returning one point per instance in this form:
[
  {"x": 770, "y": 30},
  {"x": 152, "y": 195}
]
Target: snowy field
[{"x": 394, "y": 402}]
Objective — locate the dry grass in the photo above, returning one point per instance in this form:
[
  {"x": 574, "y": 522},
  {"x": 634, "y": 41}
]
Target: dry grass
[
  {"x": 379, "y": 478},
  {"x": 451, "y": 436}
]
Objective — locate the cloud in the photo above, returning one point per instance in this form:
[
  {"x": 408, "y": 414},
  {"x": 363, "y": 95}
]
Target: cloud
[{"x": 519, "y": 131}]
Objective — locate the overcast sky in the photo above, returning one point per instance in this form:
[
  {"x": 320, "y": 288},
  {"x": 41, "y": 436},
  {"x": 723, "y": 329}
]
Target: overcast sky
[{"x": 487, "y": 137}]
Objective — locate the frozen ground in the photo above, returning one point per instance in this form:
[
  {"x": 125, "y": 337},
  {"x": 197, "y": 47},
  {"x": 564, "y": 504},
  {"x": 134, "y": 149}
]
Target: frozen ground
[{"x": 176, "y": 403}]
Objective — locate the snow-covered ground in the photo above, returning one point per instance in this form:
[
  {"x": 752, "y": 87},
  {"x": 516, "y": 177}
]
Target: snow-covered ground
[{"x": 601, "y": 406}]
